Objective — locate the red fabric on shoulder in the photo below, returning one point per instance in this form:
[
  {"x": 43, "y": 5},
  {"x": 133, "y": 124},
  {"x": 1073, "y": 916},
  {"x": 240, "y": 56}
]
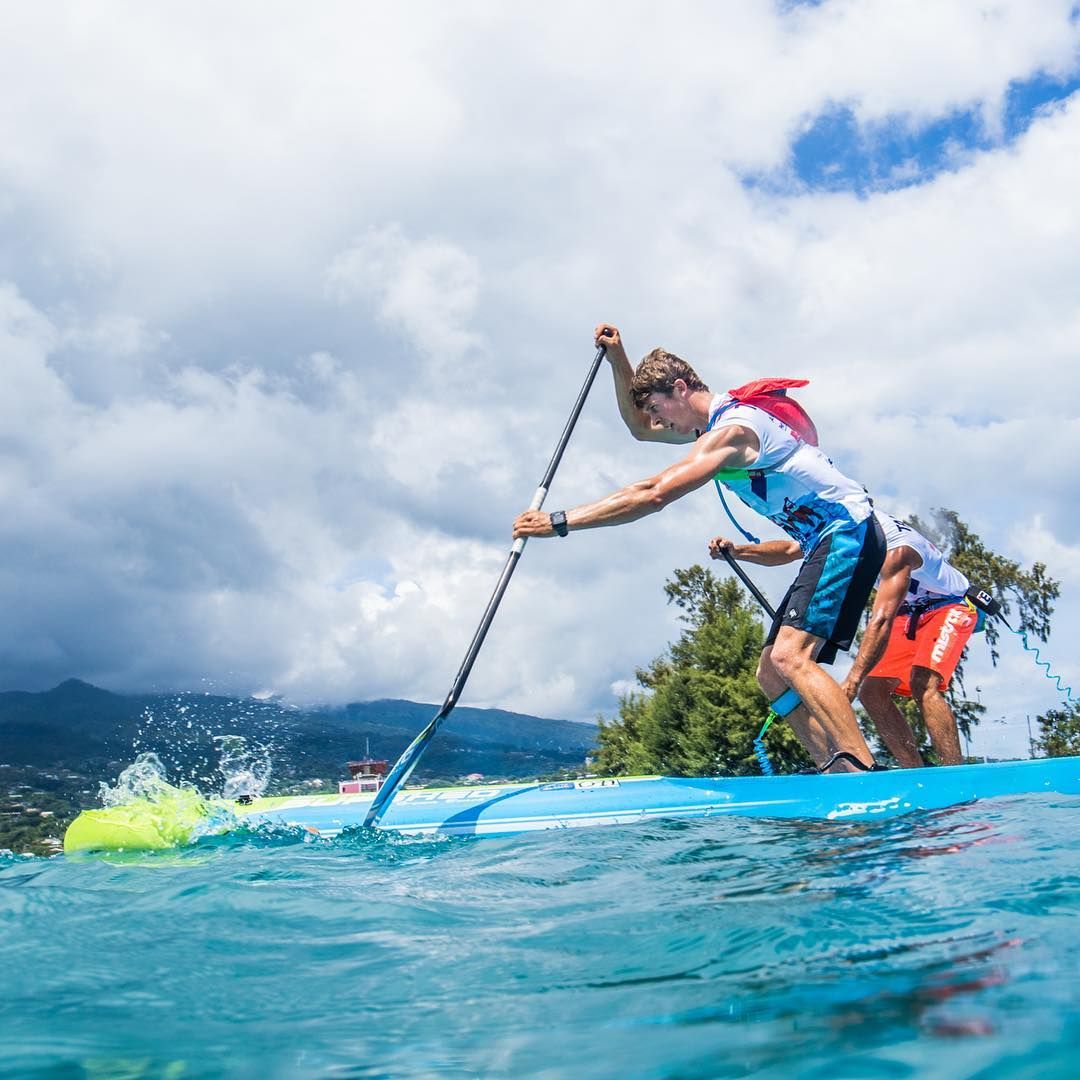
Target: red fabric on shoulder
[
  {"x": 770, "y": 395},
  {"x": 766, "y": 386}
]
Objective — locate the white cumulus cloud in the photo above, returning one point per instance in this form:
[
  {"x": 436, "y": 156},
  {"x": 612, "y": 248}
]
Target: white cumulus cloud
[{"x": 293, "y": 309}]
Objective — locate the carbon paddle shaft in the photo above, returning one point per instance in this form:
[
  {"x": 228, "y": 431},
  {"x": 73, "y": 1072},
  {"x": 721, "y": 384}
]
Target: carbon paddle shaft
[
  {"x": 407, "y": 762},
  {"x": 742, "y": 576}
]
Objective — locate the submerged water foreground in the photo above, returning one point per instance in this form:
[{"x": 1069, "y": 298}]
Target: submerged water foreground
[{"x": 944, "y": 944}]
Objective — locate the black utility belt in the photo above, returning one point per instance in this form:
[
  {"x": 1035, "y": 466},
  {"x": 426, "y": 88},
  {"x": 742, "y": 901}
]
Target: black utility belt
[
  {"x": 918, "y": 610},
  {"x": 975, "y": 597}
]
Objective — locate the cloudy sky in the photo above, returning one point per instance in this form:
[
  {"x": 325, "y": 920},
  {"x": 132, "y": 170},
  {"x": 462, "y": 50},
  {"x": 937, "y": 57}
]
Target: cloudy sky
[{"x": 294, "y": 302}]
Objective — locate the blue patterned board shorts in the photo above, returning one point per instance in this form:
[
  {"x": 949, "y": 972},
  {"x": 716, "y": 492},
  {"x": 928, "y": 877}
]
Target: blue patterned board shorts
[{"x": 828, "y": 597}]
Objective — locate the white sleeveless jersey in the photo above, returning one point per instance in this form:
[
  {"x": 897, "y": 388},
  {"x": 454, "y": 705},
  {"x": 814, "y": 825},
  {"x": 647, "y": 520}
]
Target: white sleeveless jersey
[
  {"x": 792, "y": 483},
  {"x": 937, "y": 578}
]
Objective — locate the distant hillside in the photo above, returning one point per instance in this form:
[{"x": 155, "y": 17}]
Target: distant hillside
[
  {"x": 495, "y": 726},
  {"x": 94, "y": 732}
]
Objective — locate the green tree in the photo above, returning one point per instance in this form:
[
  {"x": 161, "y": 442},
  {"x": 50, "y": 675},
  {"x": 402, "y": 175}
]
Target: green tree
[
  {"x": 700, "y": 707},
  {"x": 1059, "y": 732}
]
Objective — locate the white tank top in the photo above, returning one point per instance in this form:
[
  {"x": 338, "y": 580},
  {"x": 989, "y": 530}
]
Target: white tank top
[
  {"x": 937, "y": 578},
  {"x": 791, "y": 483}
]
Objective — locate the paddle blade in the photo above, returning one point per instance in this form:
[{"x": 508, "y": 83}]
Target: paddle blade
[{"x": 401, "y": 770}]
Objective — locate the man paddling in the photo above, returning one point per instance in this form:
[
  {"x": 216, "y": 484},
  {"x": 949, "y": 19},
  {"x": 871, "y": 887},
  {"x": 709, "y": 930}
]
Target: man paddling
[
  {"x": 786, "y": 479},
  {"x": 919, "y": 626}
]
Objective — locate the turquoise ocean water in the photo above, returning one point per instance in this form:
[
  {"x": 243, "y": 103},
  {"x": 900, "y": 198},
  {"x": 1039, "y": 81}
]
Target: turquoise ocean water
[{"x": 945, "y": 944}]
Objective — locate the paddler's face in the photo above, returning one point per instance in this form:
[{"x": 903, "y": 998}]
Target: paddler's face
[{"x": 673, "y": 410}]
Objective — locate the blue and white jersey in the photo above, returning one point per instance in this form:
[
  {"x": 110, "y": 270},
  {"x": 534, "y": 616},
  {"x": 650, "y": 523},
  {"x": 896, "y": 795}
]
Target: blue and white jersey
[
  {"x": 791, "y": 483},
  {"x": 937, "y": 579}
]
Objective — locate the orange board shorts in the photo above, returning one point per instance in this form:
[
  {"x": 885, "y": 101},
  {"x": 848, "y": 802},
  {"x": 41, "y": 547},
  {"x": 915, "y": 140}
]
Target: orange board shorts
[{"x": 939, "y": 642}]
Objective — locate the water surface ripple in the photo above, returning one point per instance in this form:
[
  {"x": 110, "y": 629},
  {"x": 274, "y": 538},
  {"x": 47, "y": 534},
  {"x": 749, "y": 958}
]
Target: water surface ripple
[{"x": 944, "y": 945}]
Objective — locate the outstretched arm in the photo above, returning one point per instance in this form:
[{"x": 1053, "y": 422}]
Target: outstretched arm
[
  {"x": 730, "y": 447},
  {"x": 892, "y": 588},
  {"x": 767, "y": 553},
  {"x": 642, "y": 426}
]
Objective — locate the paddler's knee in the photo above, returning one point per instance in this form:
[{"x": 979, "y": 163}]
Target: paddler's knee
[
  {"x": 793, "y": 650},
  {"x": 789, "y": 658},
  {"x": 769, "y": 679},
  {"x": 924, "y": 682}
]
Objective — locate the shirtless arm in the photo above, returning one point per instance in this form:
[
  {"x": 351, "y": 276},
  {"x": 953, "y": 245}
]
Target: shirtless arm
[
  {"x": 766, "y": 553},
  {"x": 893, "y": 587},
  {"x": 731, "y": 447},
  {"x": 642, "y": 426}
]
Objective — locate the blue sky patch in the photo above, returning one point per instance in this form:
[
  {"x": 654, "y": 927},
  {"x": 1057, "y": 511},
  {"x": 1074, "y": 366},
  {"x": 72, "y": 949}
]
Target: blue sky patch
[{"x": 836, "y": 153}]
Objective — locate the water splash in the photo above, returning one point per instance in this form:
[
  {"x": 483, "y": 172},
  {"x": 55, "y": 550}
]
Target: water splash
[
  {"x": 194, "y": 736},
  {"x": 246, "y": 769},
  {"x": 144, "y": 780},
  {"x": 145, "y": 812}
]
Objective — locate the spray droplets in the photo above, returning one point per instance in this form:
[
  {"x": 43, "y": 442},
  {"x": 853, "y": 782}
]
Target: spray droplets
[{"x": 246, "y": 769}]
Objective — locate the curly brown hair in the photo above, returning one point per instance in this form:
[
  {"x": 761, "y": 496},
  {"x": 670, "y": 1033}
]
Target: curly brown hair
[{"x": 656, "y": 374}]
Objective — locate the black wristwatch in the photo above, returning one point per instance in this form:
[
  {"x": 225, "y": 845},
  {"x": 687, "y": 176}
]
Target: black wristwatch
[{"x": 558, "y": 522}]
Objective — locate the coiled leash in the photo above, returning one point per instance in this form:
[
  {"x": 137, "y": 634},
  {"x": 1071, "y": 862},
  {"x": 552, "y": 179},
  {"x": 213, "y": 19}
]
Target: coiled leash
[
  {"x": 760, "y": 752},
  {"x": 1065, "y": 691},
  {"x": 983, "y": 601},
  {"x": 786, "y": 703}
]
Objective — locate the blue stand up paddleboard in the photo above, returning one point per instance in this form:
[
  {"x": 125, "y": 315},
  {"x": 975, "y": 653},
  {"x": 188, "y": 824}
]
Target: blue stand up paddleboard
[{"x": 503, "y": 809}]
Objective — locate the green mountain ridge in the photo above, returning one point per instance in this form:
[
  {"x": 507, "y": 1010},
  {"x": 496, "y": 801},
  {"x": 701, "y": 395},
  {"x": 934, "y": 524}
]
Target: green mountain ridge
[
  {"x": 57, "y": 745},
  {"x": 79, "y": 726}
]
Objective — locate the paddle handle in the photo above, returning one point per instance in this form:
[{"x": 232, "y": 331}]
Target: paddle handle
[
  {"x": 744, "y": 578},
  {"x": 405, "y": 764}
]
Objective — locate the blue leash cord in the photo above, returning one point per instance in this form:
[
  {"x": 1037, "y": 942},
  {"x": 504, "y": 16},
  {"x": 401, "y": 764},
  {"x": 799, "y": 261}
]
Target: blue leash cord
[
  {"x": 1045, "y": 665},
  {"x": 750, "y": 537},
  {"x": 759, "y": 748}
]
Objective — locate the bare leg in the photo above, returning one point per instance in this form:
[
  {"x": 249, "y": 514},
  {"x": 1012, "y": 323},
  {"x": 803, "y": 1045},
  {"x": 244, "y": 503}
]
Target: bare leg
[
  {"x": 807, "y": 729},
  {"x": 877, "y": 697},
  {"x": 940, "y": 722},
  {"x": 792, "y": 659}
]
